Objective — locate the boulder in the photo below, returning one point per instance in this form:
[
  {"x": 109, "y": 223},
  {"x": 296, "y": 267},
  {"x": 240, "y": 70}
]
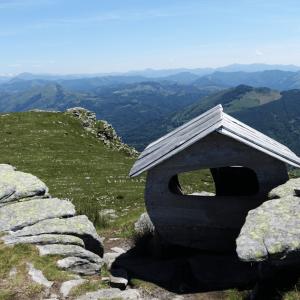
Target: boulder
[
  {"x": 79, "y": 226},
  {"x": 24, "y": 185},
  {"x": 285, "y": 189},
  {"x": 80, "y": 266},
  {"x": 43, "y": 239},
  {"x": 144, "y": 224},
  {"x": 272, "y": 233},
  {"x": 70, "y": 250},
  {"x": 22, "y": 214}
]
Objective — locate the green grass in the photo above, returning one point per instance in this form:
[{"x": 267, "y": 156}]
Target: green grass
[
  {"x": 17, "y": 256},
  {"x": 234, "y": 294},
  {"x": 75, "y": 166},
  {"x": 88, "y": 286}
]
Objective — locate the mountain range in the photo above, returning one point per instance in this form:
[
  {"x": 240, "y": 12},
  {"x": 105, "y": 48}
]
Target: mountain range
[{"x": 274, "y": 79}]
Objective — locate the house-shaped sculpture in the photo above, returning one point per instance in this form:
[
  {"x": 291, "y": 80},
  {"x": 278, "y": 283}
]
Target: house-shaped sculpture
[{"x": 245, "y": 165}]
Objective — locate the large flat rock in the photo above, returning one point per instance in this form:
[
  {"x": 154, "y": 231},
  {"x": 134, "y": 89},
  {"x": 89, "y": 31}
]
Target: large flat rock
[
  {"x": 285, "y": 189},
  {"x": 43, "y": 239},
  {"x": 71, "y": 250},
  {"x": 79, "y": 226},
  {"x": 15, "y": 185},
  {"x": 22, "y": 214},
  {"x": 272, "y": 232}
]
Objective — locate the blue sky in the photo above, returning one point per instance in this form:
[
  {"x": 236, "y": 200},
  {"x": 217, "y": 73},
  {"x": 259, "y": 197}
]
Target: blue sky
[{"x": 93, "y": 36}]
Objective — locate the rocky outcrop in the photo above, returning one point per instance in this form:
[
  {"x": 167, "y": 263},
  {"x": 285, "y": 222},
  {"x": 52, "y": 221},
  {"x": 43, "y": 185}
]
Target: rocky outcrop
[
  {"x": 101, "y": 130},
  {"x": 271, "y": 236},
  {"x": 29, "y": 215},
  {"x": 78, "y": 226},
  {"x": 272, "y": 232}
]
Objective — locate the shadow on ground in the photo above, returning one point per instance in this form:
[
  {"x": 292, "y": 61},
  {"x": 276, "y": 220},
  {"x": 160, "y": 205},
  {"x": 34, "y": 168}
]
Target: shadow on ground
[{"x": 184, "y": 270}]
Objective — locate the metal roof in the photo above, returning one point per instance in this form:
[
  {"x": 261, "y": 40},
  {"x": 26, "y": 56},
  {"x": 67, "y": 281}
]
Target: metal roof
[{"x": 212, "y": 120}]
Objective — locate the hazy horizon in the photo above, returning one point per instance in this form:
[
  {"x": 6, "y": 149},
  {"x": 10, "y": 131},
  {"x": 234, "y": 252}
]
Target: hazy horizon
[{"x": 75, "y": 37}]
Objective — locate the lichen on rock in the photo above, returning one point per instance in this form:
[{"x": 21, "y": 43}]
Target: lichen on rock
[
  {"x": 22, "y": 214},
  {"x": 79, "y": 226},
  {"x": 285, "y": 189},
  {"x": 272, "y": 232}
]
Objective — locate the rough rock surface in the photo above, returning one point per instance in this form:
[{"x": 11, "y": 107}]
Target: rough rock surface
[
  {"x": 80, "y": 266},
  {"x": 22, "y": 214},
  {"x": 68, "y": 285},
  {"x": 43, "y": 239},
  {"x": 272, "y": 232},
  {"x": 17, "y": 185},
  {"x": 70, "y": 250},
  {"x": 285, "y": 189},
  {"x": 144, "y": 223},
  {"x": 110, "y": 294},
  {"x": 79, "y": 226}
]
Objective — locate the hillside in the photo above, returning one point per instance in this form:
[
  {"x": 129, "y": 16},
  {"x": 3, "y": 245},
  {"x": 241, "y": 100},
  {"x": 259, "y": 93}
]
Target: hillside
[
  {"x": 124, "y": 106},
  {"x": 272, "y": 112},
  {"x": 88, "y": 168}
]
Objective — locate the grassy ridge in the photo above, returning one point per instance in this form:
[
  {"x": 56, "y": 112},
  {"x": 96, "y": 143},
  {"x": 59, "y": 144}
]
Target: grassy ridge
[{"x": 72, "y": 162}]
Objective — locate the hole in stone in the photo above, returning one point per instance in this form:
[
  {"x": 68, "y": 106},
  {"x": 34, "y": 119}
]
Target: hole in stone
[
  {"x": 222, "y": 181},
  {"x": 193, "y": 182}
]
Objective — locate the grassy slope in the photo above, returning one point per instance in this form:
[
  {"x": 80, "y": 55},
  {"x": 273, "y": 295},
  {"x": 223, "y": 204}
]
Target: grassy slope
[{"x": 56, "y": 149}]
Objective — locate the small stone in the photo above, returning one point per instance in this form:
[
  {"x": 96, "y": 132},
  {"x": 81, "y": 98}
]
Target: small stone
[
  {"x": 119, "y": 278},
  {"x": 113, "y": 216},
  {"x": 105, "y": 279},
  {"x": 68, "y": 285},
  {"x": 144, "y": 224},
  {"x": 107, "y": 211},
  {"x": 109, "y": 258},
  {"x": 118, "y": 250},
  {"x": 38, "y": 276},
  {"x": 13, "y": 271}
]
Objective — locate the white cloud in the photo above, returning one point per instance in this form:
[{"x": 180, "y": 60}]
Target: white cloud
[
  {"x": 258, "y": 53},
  {"x": 171, "y": 59},
  {"x": 15, "y": 65},
  {"x": 230, "y": 45}
]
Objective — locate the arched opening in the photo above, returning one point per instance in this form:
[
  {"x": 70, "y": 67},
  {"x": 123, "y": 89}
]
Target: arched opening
[
  {"x": 235, "y": 181},
  {"x": 222, "y": 181},
  {"x": 193, "y": 182}
]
